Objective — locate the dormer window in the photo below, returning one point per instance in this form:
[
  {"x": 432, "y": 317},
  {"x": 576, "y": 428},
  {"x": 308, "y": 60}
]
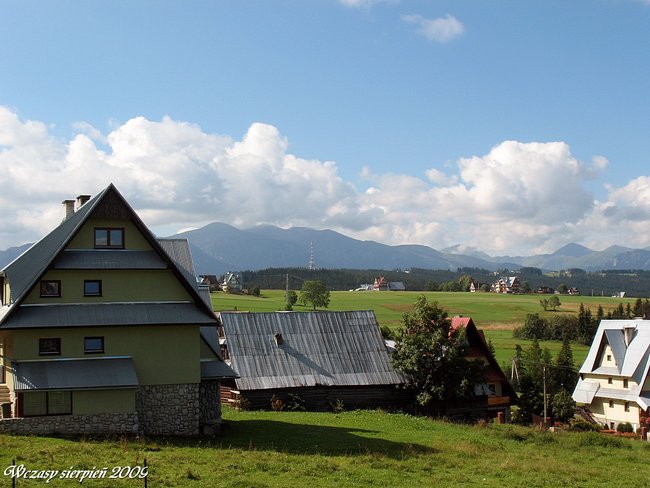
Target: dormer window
[{"x": 109, "y": 238}]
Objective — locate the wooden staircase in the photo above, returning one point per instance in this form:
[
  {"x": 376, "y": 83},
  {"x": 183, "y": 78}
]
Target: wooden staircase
[{"x": 586, "y": 414}]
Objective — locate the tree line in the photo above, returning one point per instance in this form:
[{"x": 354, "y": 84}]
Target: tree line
[
  {"x": 580, "y": 328},
  {"x": 634, "y": 283}
]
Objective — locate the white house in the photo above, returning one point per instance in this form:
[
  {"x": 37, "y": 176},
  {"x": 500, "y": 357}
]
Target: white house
[{"x": 614, "y": 383}]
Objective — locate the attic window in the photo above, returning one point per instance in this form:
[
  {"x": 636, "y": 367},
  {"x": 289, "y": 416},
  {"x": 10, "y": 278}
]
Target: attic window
[
  {"x": 51, "y": 288},
  {"x": 278, "y": 339},
  {"x": 109, "y": 238},
  {"x": 50, "y": 346}
]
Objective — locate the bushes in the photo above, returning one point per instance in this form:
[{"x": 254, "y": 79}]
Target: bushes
[
  {"x": 624, "y": 427},
  {"x": 581, "y": 425}
]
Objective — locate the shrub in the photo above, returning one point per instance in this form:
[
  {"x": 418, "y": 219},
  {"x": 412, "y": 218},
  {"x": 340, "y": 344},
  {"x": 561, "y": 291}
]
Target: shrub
[
  {"x": 277, "y": 405},
  {"x": 387, "y": 333},
  {"x": 581, "y": 425},
  {"x": 624, "y": 427},
  {"x": 337, "y": 406},
  {"x": 295, "y": 403}
]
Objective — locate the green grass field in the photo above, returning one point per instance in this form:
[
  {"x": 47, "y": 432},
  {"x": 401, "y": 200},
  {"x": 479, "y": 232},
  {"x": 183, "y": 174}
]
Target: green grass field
[
  {"x": 349, "y": 449},
  {"x": 496, "y": 314}
]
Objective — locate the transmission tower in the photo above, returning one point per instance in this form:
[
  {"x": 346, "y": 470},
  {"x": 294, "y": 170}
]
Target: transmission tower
[{"x": 312, "y": 261}]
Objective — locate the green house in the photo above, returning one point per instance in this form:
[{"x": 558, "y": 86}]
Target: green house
[{"x": 104, "y": 329}]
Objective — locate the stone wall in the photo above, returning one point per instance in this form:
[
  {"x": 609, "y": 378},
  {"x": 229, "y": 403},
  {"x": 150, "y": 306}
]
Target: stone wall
[
  {"x": 210, "y": 400},
  {"x": 169, "y": 409},
  {"x": 105, "y": 423}
]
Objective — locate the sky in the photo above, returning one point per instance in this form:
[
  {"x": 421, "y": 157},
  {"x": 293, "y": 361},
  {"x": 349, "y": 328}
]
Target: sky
[{"x": 507, "y": 126}]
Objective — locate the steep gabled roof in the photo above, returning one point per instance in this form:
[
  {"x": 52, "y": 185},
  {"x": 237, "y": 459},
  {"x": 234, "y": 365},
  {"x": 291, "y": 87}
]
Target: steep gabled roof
[
  {"x": 311, "y": 349},
  {"x": 632, "y": 360},
  {"x": 28, "y": 269},
  {"x": 476, "y": 339}
]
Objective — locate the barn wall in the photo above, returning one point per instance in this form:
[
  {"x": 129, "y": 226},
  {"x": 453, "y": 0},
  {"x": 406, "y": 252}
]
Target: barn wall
[{"x": 388, "y": 397}]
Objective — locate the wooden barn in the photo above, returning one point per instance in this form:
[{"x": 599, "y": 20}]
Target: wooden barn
[{"x": 323, "y": 357}]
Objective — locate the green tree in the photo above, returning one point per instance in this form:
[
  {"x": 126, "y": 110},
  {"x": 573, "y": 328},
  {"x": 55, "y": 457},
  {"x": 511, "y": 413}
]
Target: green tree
[
  {"x": 563, "y": 289},
  {"x": 315, "y": 293},
  {"x": 563, "y": 405},
  {"x": 563, "y": 374},
  {"x": 465, "y": 282},
  {"x": 433, "y": 356},
  {"x": 525, "y": 287},
  {"x": 554, "y": 302}
]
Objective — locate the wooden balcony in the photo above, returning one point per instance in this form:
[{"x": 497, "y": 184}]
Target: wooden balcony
[{"x": 498, "y": 401}]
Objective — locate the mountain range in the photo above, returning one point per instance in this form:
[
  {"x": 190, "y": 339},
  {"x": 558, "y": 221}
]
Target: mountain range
[{"x": 218, "y": 248}]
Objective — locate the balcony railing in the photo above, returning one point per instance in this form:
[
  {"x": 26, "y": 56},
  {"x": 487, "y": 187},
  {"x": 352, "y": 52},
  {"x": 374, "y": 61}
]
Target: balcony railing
[{"x": 494, "y": 401}]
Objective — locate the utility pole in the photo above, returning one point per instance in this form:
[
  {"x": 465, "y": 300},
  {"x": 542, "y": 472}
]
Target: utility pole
[
  {"x": 545, "y": 408},
  {"x": 286, "y": 295}
]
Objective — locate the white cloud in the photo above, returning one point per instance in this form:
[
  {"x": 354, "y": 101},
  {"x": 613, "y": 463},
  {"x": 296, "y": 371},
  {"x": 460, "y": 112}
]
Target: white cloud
[
  {"x": 365, "y": 3},
  {"x": 172, "y": 172},
  {"x": 442, "y": 29},
  {"x": 517, "y": 198}
]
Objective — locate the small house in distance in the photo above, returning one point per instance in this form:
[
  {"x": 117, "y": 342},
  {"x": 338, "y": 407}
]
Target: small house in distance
[
  {"x": 381, "y": 284},
  {"x": 506, "y": 284},
  {"x": 323, "y": 357},
  {"x": 232, "y": 283}
]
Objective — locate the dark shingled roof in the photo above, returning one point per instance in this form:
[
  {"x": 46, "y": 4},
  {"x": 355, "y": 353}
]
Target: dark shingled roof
[
  {"x": 74, "y": 374},
  {"x": 108, "y": 259},
  {"x": 25, "y": 271},
  {"x": 317, "y": 348},
  {"x": 108, "y": 314},
  {"x": 27, "y": 268}
]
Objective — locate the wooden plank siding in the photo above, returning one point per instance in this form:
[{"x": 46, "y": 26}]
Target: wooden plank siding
[{"x": 322, "y": 399}]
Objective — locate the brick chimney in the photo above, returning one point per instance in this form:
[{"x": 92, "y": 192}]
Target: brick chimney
[
  {"x": 81, "y": 200},
  {"x": 68, "y": 205}
]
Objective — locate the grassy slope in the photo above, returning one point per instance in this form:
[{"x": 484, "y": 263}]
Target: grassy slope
[
  {"x": 361, "y": 448},
  {"x": 496, "y": 314}
]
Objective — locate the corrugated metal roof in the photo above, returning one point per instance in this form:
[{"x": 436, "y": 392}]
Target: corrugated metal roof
[
  {"x": 617, "y": 344},
  {"x": 107, "y": 314},
  {"x": 585, "y": 391},
  {"x": 209, "y": 335},
  {"x": 216, "y": 369},
  {"x": 179, "y": 251},
  {"x": 73, "y": 374},
  {"x": 318, "y": 348},
  {"x": 108, "y": 259}
]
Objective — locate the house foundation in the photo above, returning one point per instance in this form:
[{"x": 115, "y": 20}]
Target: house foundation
[
  {"x": 105, "y": 423},
  {"x": 169, "y": 409}
]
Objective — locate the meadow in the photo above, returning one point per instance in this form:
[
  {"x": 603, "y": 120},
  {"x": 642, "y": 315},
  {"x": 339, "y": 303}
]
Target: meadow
[
  {"x": 358, "y": 448},
  {"x": 496, "y": 314}
]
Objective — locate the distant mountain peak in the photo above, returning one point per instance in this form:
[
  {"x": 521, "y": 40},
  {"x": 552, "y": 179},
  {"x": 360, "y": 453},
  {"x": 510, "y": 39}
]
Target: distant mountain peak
[{"x": 573, "y": 250}]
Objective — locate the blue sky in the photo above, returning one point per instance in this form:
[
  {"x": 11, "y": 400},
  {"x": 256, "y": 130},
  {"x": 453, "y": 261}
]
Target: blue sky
[{"x": 510, "y": 126}]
